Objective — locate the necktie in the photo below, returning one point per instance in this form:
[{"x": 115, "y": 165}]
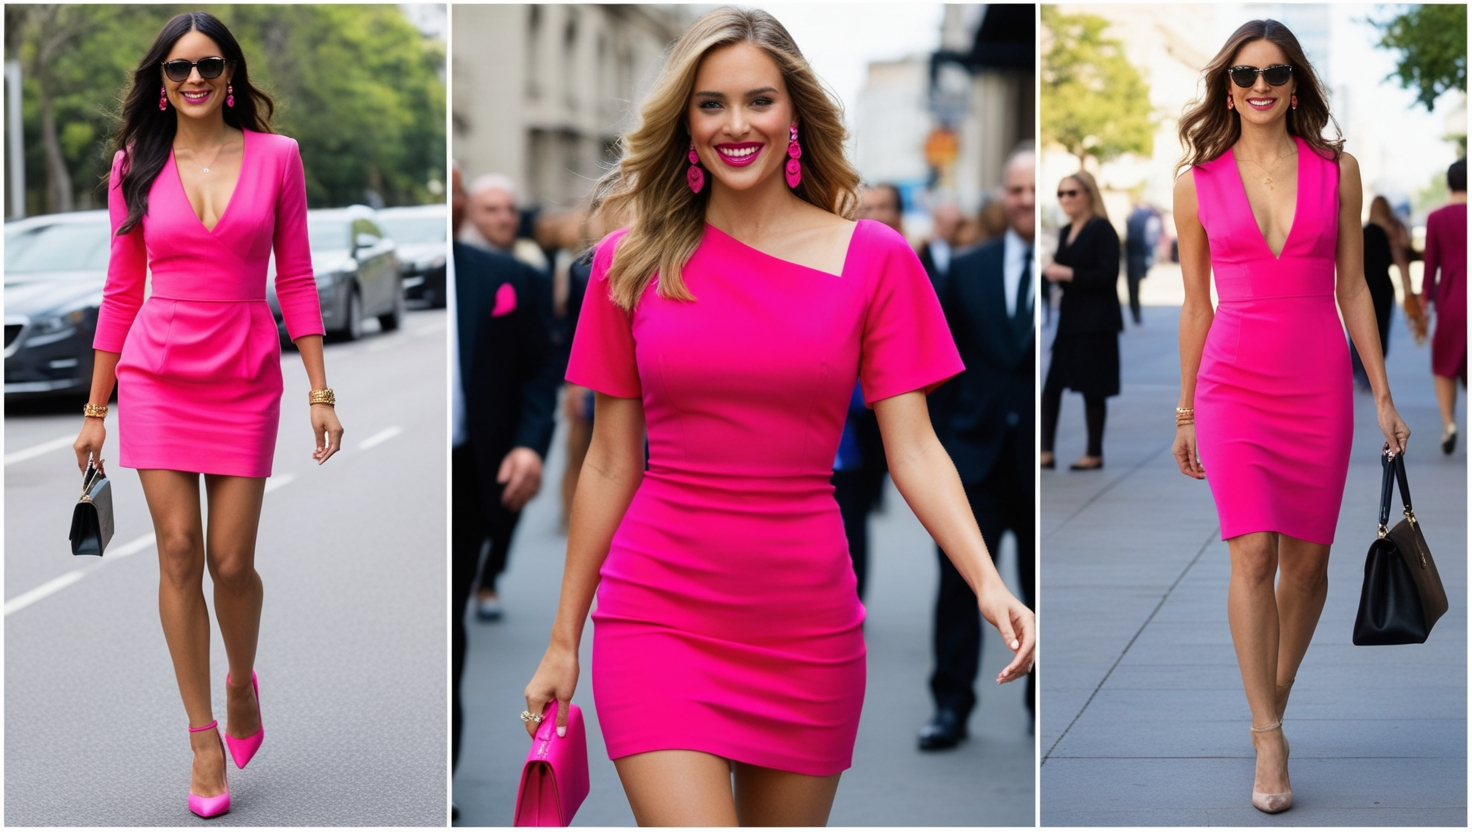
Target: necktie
[{"x": 1022, "y": 310}]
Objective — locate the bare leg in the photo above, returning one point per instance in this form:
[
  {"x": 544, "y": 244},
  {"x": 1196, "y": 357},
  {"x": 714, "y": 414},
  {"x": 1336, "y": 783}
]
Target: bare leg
[
  {"x": 1303, "y": 584},
  {"x": 173, "y": 502},
  {"x": 1446, "y": 399},
  {"x": 768, "y": 797},
  {"x": 235, "y": 515},
  {"x": 678, "y": 788},
  {"x": 1252, "y": 612}
]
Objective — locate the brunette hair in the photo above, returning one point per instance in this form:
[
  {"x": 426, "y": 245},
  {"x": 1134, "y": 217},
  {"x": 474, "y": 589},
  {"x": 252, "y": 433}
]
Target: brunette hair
[
  {"x": 1456, "y": 176},
  {"x": 145, "y": 133},
  {"x": 648, "y": 187},
  {"x": 1096, "y": 199},
  {"x": 1208, "y": 128}
]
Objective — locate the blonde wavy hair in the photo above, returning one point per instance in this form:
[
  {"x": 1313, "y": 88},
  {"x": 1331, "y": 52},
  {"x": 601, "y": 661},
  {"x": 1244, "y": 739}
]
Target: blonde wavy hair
[{"x": 647, "y": 190}]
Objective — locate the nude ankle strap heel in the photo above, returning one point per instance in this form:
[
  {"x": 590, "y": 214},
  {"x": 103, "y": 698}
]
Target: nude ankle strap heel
[{"x": 1272, "y": 802}]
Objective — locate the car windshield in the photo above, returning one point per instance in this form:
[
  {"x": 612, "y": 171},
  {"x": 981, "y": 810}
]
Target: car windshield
[
  {"x": 59, "y": 247},
  {"x": 407, "y": 229},
  {"x": 327, "y": 233}
]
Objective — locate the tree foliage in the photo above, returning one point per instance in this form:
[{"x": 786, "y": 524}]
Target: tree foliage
[
  {"x": 1094, "y": 101},
  {"x": 1432, "y": 42},
  {"x": 357, "y": 86}
]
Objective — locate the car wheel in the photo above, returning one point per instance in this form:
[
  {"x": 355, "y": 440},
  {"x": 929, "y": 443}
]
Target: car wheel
[
  {"x": 354, "y": 328},
  {"x": 391, "y": 320}
]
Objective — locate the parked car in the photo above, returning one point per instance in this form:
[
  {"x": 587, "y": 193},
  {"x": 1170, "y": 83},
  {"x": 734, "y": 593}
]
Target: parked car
[
  {"x": 357, "y": 271},
  {"x": 55, "y": 268},
  {"x": 421, "y": 232}
]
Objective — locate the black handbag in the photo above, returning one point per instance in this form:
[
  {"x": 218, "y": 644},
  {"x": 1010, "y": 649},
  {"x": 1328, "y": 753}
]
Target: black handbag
[
  {"x": 92, "y": 516},
  {"x": 1402, "y": 597}
]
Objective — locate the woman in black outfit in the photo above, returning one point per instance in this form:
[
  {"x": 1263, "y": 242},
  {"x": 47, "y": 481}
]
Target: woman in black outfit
[
  {"x": 1386, "y": 243},
  {"x": 1086, "y": 348}
]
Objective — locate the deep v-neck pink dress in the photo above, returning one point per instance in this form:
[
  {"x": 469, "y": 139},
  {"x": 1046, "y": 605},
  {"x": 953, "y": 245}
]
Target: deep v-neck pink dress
[
  {"x": 199, "y": 379},
  {"x": 727, "y": 618},
  {"x": 1274, "y": 408}
]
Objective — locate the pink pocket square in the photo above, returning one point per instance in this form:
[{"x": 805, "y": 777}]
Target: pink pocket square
[{"x": 505, "y": 301}]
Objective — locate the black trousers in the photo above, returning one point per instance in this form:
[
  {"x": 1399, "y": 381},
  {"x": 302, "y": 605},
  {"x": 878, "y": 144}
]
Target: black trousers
[
  {"x": 853, "y": 495},
  {"x": 469, "y": 530},
  {"x": 1095, "y": 411},
  {"x": 1135, "y": 271},
  {"x": 1000, "y": 503}
]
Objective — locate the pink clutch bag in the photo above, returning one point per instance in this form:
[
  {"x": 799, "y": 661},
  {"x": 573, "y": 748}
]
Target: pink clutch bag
[{"x": 554, "y": 780}]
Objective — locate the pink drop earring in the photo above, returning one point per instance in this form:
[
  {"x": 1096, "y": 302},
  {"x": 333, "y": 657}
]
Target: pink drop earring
[
  {"x": 163, "y": 98},
  {"x": 794, "y": 152},
  {"x": 229, "y": 95},
  {"x": 1293, "y": 100},
  {"x": 694, "y": 177}
]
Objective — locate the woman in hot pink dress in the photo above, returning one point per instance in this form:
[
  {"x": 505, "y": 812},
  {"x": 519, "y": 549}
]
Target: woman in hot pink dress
[
  {"x": 1272, "y": 210},
  {"x": 731, "y": 320},
  {"x": 201, "y": 194}
]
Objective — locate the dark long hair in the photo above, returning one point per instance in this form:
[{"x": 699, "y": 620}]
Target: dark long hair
[
  {"x": 1208, "y": 128},
  {"x": 146, "y": 133}
]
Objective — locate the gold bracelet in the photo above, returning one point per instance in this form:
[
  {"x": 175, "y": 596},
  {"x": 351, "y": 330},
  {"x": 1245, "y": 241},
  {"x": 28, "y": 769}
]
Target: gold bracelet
[
  {"x": 323, "y": 396},
  {"x": 96, "y": 411},
  {"x": 1185, "y": 416}
]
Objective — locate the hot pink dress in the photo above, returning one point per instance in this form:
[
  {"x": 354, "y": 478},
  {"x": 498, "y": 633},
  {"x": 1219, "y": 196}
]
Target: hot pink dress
[
  {"x": 727, "y": 618},
  {"x": 1274, "y": 413},
  {"x": 1446, "y": 287},
  {"x": 199, "y": 380}
]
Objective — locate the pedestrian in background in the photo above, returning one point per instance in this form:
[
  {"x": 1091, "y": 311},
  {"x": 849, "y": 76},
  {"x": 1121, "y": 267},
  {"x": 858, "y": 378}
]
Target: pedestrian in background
[
  {"x": 985, "y": 420},
  {"x": 945, "y": 230},
  {"x": 726, "y": 599},
  {"x": 883, "y": 203},
  {"x": 1141, "y": 236},
  {"x": 1266, "y": 412},
  {"x": 198, "y": 364},
  {"x": 1445, "y": 286},
  {"x": 1387, "y": 243},
  {"x": 503, "y": 392},
  {"x": 1086, "y": 348}
]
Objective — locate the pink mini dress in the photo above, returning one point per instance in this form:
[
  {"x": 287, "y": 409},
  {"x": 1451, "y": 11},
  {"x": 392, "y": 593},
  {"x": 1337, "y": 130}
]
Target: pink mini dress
[
  {"x": 199, "y": 379},
  {"x": 1274, "y": 408},
  {"x": 727, "y": 618}
]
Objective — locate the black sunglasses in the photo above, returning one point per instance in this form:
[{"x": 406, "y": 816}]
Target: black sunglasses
[
  {"x": 1276, "y": 75},
  {"x": 1062, "y": 194},
  {"x": 209, "y": 68}
]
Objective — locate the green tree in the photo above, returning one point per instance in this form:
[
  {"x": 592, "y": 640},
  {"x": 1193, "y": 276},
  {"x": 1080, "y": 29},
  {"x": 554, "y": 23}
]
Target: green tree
[
  {"x": 357, "y": 86},
  {"x": 1432, "y": 42},
  {"x": 1094, "y": 101}
]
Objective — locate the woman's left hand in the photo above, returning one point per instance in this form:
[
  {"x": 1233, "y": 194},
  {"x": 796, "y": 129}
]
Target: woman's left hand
[
  {"x": 327, "y": 431},
  {"x": 1395, "y": 429},
  {"x": 1057, "y": 274},
  {"x": 1016, "y": 624}
]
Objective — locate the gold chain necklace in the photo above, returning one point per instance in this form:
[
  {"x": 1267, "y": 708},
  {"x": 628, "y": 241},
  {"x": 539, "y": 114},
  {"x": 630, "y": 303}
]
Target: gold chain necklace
[
  {"x": 1268, "y": 174},
  {"x": 218, "y": 150}
]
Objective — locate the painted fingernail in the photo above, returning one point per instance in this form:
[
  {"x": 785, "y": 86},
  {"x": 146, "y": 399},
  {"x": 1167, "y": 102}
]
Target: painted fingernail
[
  {"x": 1016, "y": 644},
  {"x": 561, "y": 731}
]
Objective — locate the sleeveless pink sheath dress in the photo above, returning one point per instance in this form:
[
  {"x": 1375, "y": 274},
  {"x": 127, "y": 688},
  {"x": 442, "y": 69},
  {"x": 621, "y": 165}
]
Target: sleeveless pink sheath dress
[
  {"x": 727, "y": 619},
  {"x": 1274, "y": 409},
  {"x": 199, "y": 379}
]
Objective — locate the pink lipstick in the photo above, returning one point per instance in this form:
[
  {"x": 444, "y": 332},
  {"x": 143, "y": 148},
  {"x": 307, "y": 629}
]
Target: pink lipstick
[{"x": 739, "y": 155}]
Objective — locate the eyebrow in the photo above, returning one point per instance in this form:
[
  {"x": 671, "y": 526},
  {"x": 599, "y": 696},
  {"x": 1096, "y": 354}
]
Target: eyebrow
[{"x": 749, "y": 93}]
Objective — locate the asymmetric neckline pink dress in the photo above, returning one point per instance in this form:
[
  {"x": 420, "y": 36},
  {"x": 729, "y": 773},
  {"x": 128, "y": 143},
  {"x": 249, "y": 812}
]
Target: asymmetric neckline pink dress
[
  {"x": 199, "y": 379},
  {"x": 727, "y": 617},
  {"x": 1274, "y": 409}
]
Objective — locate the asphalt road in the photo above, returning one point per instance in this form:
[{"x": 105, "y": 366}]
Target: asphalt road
[
  {"x": 1144, "y": 722},
  {"x": 353, "y": 646},
  {"x": 988, "y": 781}
]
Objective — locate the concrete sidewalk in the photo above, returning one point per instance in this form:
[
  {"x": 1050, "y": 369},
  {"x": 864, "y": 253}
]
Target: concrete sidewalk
[{"x": 1143, "y": 719}]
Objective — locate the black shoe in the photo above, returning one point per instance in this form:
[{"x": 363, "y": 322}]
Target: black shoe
[
  {"x": 1449, "y": 439},
  {"x": 945, "y": 730}
]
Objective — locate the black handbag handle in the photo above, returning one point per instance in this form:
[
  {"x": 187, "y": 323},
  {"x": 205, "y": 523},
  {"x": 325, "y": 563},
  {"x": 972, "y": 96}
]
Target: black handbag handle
[{"x": 1393, "y": 467}]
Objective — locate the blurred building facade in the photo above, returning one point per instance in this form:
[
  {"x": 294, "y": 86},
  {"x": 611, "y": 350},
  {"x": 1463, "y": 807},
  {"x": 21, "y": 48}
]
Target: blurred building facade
[{"x": 542, "y": 92}]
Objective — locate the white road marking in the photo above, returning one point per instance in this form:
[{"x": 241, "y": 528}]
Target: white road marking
[
  {"x": 380, "y": 437},
  {"x": 57, "y": 584},
  {"x": 40, "y": 450},
  {"x": 279, "y": 481}
]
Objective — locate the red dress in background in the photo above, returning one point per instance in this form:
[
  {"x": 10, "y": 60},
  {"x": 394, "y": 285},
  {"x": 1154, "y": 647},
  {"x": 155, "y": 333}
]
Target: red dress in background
[{"x": 1445, "y": 285}]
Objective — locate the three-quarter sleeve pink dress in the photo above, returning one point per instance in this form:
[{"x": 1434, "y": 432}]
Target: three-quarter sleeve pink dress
[
  {"x": 727, "y": 619},
  {"x": 1274, "y": 408},
  {"x": 199, "y": 379}
]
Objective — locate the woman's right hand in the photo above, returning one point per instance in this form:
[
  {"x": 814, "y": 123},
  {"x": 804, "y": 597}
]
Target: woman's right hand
[
  {"x": 556, "y": 678},
  {"x": 1184, "y": 450},
  {"x": 89, "y": 442}
]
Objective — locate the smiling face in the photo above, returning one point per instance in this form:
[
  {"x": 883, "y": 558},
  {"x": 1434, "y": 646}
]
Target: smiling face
[
  {"x": 740, "y": 116},
  {"x": 1262, "y": 103},
  {"x": 196, "y": 96}
]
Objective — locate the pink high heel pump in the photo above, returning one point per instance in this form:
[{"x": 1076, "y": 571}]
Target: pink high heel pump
[
  {"x": 209, "y": 807},
  {"x": 241, "y": 750}
]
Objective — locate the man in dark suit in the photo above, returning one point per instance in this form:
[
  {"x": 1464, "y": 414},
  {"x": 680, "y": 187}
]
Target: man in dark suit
[
  {"x": 935, "y": 253},
  {"x": 985, "y": 420},
  {"x": 503, "y": 391}
]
